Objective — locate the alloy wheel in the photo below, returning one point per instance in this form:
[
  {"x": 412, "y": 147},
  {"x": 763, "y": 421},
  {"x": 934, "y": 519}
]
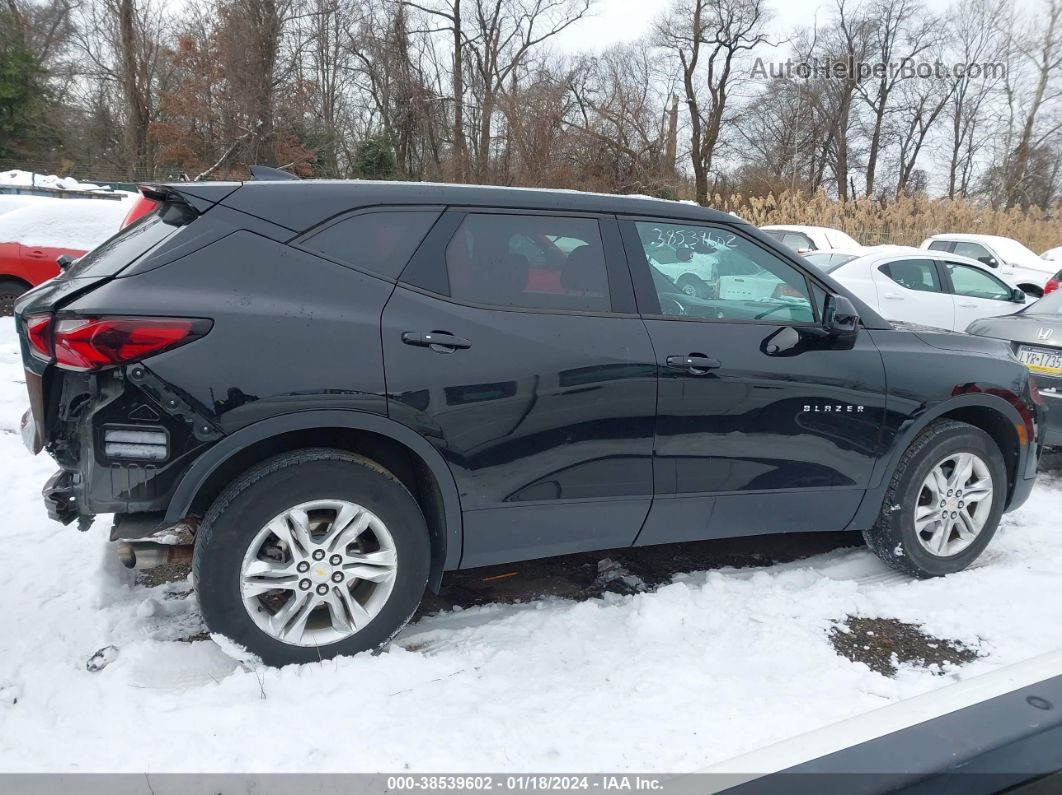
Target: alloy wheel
[
  {"x": 318, "y": 573},
  {"x": 953, "y": 504}
]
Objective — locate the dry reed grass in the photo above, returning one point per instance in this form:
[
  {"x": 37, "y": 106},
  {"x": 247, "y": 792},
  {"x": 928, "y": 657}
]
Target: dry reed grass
[{"x": 904, "y": 221}]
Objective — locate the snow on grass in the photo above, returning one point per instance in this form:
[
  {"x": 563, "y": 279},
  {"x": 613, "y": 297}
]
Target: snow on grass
[{"x": 712, "y": 665}]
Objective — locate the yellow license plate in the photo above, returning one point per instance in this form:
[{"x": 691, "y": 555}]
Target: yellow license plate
[{"x": 1042, "y": 361}]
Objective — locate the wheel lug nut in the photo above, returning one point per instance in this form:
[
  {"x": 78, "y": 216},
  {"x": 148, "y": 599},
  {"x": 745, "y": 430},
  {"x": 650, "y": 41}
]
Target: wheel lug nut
[
  {"x": 961, "y": 503},
  {"x": 337, "y": 576},
  {"x": 943, "y": 503},
  {"x": 318, "y": 554},
  {"x": 303, "y": 567},
  {"x": 322, "y": 589},
  {"x": 335, "y": 560},
  {"x": 954, "y": 515},
  {"x": 304, "y": 585},
  {"x": 949, "y": 492}
]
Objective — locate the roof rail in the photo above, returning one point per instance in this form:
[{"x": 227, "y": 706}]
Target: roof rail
[{"x": 269, "y": 174}]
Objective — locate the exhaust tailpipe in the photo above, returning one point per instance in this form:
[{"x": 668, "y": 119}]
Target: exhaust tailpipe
[{"x": 148, "y": 554}]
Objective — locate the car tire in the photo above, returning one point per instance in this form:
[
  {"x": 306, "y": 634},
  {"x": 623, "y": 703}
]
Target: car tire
[
  {"x": 926, "y": 528},
  {"x": 10, "y": 290},
  {"x": 269, "y": 526},
  {"x": 693, "y": 286}
]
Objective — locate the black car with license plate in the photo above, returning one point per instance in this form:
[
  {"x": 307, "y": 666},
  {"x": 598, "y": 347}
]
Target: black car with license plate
[
  {"x": 337, "y": 391},
  {"x": 1035, "y": 336}
]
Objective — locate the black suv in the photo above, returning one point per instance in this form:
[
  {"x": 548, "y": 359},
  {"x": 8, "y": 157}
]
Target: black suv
[{"x": 344, "y": 389}]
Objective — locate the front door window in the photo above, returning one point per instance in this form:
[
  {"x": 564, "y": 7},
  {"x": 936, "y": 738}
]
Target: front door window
[{"x": 713, "y": 274}]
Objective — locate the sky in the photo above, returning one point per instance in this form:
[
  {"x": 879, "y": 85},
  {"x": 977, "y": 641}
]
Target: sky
[{"x": 615, "y": 21}]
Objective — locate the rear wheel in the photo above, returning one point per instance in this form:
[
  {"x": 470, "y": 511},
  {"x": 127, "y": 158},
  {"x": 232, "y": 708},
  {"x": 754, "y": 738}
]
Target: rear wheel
[
  {"x": 10, "y": 290},
  {"x": 944, "y": 502},
  {"x": 310, "y": 555}
]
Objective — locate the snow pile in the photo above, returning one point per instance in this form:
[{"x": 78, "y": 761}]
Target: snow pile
[
  {"x": 710, "y": 666},
  {"x": 80, "y": 224},
  {"x": 28, "y": 178}
]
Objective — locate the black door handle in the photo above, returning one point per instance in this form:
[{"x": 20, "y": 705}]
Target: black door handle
[
  {"x": 694, "y": 363},
  {"x": 438, "y": 341}
]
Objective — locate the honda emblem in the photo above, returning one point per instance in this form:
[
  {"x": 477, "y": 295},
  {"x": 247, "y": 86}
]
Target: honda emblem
[{"x": 1044, "y": 334}]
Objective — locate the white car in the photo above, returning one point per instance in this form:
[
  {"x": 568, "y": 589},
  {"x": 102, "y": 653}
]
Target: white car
[
  {"x": 803, "y": 239},
  {"x": 1009, "y": 258},
  {"x": 1052, "y": 254},
  {"x": 918, "y": 286},
  {"x": 709, "y": 268}
]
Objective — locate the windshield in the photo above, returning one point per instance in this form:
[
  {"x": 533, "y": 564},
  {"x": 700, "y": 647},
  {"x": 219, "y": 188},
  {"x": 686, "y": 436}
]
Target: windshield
[{"x": 827, "y": 262}]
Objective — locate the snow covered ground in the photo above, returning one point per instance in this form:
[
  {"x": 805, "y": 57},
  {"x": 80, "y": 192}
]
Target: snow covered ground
[{"x": 712, "y": 665}]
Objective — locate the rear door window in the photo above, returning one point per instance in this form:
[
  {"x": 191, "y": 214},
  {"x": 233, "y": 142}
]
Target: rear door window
[
  {"x": 379, "y": 242},
  {"x": 529, "y": 261},
  {"x": 940, "y": 245},
  {"x": 914, "y": 274}
]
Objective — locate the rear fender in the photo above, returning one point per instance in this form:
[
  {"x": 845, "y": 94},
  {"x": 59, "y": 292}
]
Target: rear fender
[{"x": 198, "y": 474}]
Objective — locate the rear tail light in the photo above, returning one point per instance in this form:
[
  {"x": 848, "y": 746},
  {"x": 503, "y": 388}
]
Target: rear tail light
[
  {"x": 1034, "y": 391},
  {"x": 85, "y": 344},
  {"x": 1051, "y": 286},
  {"x": 39, "y": 335}
]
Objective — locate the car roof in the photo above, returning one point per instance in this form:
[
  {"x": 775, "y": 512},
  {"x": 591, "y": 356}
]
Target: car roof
[
  {"x": 301, "y": 204},
  {"x": 864, "y": 251},
  {"x": 800, "y": 228},
  {"x": 971, "y": 237},
  {"x": 886, "y": 253}
]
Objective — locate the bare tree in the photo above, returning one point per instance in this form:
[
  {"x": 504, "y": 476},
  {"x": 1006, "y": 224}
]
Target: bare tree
[
  {"x": 1038, "y": 43},
  {"x": 708, "y": 38},
  {"x": 122, "y": 42},
  {"x": 972, "y": 38},
  {"x": 501, "y": 36},
  {"x": 900, "y": 33}
]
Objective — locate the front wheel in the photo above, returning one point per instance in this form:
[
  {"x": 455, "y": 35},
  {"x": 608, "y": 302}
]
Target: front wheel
[
  {"x": 310, "y": 555},
  {"x": 943, "y": 503}
]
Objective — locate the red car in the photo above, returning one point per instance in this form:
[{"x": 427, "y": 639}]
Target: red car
[{"x": 33, "y": 237}]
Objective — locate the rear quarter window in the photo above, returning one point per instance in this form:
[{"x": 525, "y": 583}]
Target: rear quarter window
[
  {"x": 128, "y": 245},
  {"x": 380, "y": 241}
]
